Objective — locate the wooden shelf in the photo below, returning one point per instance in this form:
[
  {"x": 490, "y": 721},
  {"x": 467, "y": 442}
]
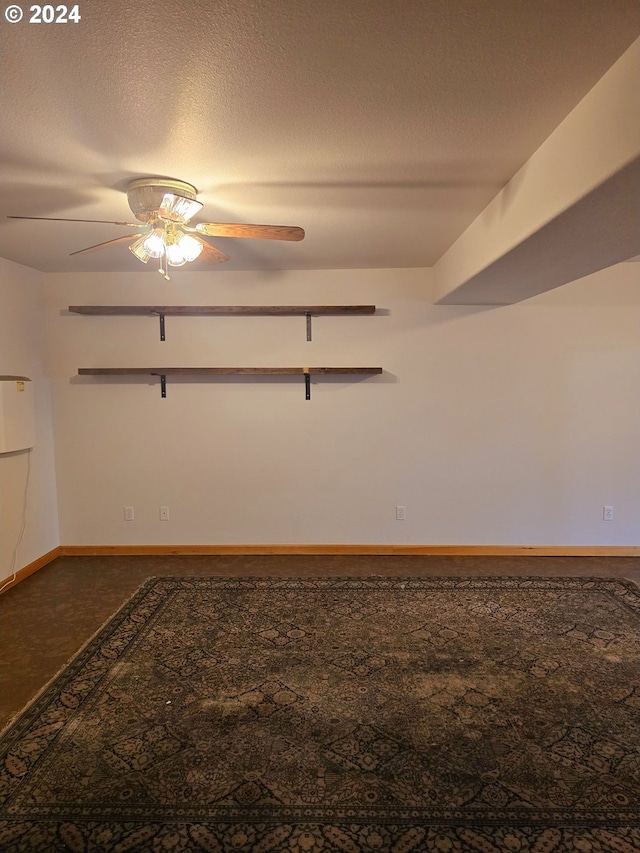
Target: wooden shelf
[
  {"x": 163, "y": 311},
  {"x": 222, "y": 371},
  {"x": 207, "y": 310},
  {"x": 163, "y": 372}
]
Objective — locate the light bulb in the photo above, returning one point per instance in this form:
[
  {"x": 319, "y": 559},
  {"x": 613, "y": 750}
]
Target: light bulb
[
  {"x": 190, "y": 247},
  {"x": 175, "y": 256},
  {"x": 154, "y": 243}
]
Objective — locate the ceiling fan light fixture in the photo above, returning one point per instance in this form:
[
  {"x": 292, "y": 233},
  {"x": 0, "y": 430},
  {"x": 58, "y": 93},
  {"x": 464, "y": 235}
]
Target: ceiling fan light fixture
[{"x": 164, "y": 206}]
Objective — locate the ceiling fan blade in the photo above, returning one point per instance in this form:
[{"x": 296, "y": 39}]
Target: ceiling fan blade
[
  {"x": 255, "y": 232},
  {"x": 100, "y": 221},
  {"x": 104, "y": 245},
  {"x": 210, "y": 254}
]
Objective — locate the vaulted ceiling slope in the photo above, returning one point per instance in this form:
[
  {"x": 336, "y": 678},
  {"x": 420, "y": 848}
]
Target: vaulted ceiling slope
[{"x": 383, "y": 129}]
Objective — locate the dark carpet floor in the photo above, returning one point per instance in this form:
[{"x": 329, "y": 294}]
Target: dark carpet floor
[{"x": 45, "y": 619}]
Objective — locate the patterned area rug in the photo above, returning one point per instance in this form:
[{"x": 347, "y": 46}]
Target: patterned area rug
[{"x": 437, "y": 714}]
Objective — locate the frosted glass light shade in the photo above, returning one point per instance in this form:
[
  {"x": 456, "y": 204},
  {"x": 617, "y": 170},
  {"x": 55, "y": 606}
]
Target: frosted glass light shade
[
  {"x": 190, "y": 247},
  {"x": 175, "y": 208},
  {"x": 154, "y": 243},
  {"x": 175, "y": 257},
  {"x": 139, "y": 250}
]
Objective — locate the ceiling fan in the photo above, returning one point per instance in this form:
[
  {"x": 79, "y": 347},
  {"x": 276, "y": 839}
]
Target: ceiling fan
[{"x": 163, "y": 209}]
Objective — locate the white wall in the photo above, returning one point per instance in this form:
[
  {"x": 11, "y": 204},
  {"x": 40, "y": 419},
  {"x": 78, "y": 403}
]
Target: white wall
[
  {"x": 505, "y": 425},
  {"x": 21, "y": 353}
]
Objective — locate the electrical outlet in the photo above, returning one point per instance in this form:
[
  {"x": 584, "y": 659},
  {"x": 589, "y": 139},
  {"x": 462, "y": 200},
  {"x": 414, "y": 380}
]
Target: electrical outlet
[
  {"x": 401, "y": 513},
  {"x": 164, "y": 513},
  {"x": 128, "y": 513},
  {"x": 607, "y": 513}
]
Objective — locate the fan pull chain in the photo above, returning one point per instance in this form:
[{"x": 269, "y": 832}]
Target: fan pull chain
[{"x": 165, "y": 271}]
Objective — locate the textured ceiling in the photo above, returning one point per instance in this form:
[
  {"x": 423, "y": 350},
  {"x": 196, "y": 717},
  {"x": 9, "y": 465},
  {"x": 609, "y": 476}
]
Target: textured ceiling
[{"x": 383, "y": 129}]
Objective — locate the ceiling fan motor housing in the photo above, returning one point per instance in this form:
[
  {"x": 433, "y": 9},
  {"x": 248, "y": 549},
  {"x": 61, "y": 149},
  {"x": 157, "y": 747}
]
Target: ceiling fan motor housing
[{"x": 145, "y": 195}]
